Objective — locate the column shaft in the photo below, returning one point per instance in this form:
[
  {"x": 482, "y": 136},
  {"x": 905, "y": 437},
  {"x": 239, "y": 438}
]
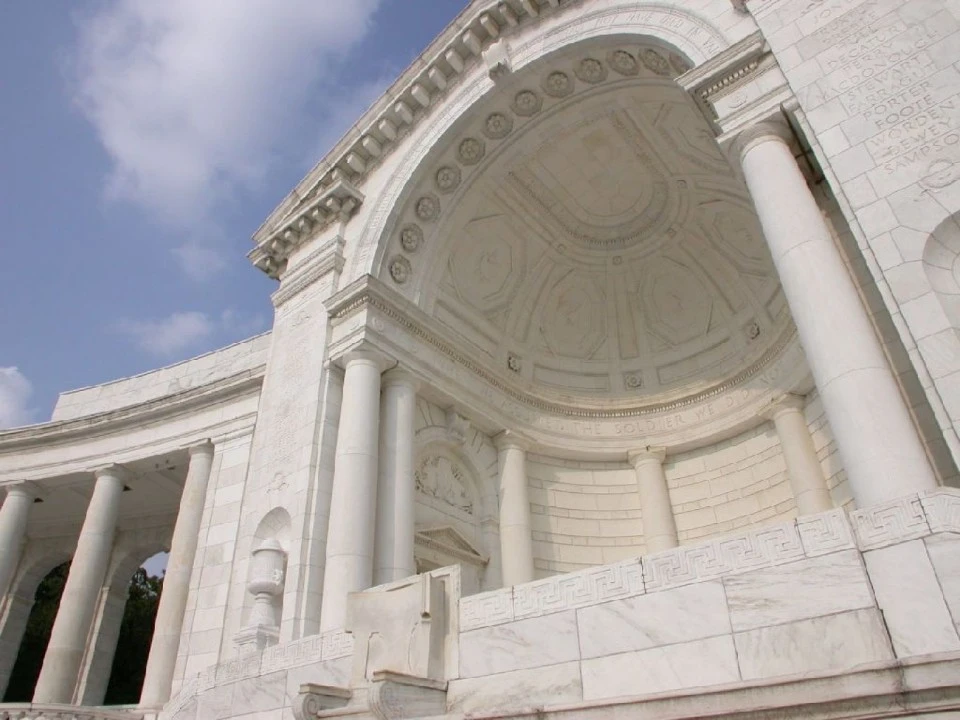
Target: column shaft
[
  {"x": 882, "y": 453},
  {"x": 176, "y": 581},
  {"x": 68, "y": 639},
  {"x": 659, "y": 526},
  {"x": 14, "y": 514},
  {"x": 353, "y": 506},
  {"x": 396, "y": 494},
  {"x": 516, "y": 539},
  {"x": 803, "y": 468}
]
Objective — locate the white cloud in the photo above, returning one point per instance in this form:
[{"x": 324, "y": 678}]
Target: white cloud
[
  {"x": 191, "y": 99},
  {"x": 15, "y": 391},
  {"x": 181, "y": 332},
  {"x": 171, "y": 335},
  {"x": 199, "y": 262}
]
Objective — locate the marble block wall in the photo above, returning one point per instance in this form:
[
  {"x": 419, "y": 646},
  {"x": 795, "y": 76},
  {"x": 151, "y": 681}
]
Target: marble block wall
[
  {"x": 220, "y": 364},
  {"x": 585, "y": 514},
  {"x": 820, "y": 597}
]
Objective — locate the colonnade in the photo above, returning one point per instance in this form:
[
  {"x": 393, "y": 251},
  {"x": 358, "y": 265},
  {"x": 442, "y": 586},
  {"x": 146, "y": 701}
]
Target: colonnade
[{"x": 60, "y": 672}]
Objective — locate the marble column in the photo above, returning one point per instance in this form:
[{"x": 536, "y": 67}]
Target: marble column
[
  {"x": 803, "y": 468},
  {"x": 396, "y": 494},
  {"x": 881, "y": 450},
  {"x": 659, "y": 526},
  {"x": 68, "y": 639},
  {"x": 353, "y": 505},
  {"x": 516, "y": 538},
  {"x": 176, "y": 580},
  {"x": 13, "y": 530}
]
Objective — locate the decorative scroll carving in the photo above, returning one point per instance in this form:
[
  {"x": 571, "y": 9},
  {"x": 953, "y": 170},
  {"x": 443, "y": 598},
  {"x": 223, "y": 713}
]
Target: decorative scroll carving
[
  {"x": 313, "y": 699},
  {"x": 942, "y": 508},
  {"x": 888, "y": 523},
  {"x": 825, "y": 533},
  {"x": 394, "y": 696},
  {"x": 444, "y": 478},
  {"x": 724, "y": 556},
  {"x": 573, "y": 590},
  {"x": 486, "y": 609}
]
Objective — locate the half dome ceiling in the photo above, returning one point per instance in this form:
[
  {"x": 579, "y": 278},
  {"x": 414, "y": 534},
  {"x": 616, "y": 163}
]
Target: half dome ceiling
[{"x": 584, "y": 233}]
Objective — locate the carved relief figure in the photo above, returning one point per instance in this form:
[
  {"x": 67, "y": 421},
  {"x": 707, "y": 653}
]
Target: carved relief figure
[{"x": 442, "y": 477}]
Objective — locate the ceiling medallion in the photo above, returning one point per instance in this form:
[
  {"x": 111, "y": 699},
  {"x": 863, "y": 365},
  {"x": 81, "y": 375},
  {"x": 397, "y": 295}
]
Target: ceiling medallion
[
  {"x": 558, "y": 84},
  {"x": 634, "y": 381},
  {"x": 411, "y": 237},
  {"x": 526, "y": 103},
  {"x": 655, "y": 61},
  {"x": 428, "y": 208},
  {"x": 400, "y": 269},
  {"x": 471, "y": 151},
  {"x": 623, "y": 62},
  {"x": 513, "y": 362},
  {"x": 448, "y": 178},
  {"x": 591, "y": 71},
  {"x": 499, "y": 125}
]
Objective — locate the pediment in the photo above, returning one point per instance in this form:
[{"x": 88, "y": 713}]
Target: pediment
[{"x": 450, "y": 541}]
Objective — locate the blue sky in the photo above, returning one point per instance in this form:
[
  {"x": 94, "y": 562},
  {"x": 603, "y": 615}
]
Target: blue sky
[{"x": 141, "y": 144}]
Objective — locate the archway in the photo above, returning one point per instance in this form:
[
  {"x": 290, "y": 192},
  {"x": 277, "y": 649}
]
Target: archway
[{"x": 36, "y": 633}]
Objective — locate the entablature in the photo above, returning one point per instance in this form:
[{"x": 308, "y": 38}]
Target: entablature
[{"x": 371, "y": 315}]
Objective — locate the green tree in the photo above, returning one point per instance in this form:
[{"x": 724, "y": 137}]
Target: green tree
[
  {"x": 26, "y": 669},
  {"x": 133, "y": 644}
]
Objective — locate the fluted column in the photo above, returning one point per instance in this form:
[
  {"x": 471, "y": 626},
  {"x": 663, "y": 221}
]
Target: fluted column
[
  {"x": 803, "y": 468},
  {"x": 14, "y": 514},
  {"x": 353, "y": 505},
  {"x": 659, "y": 526},
  {"x": 68, "y": 639},
  {"x": 516, "y": 538},
  {"x": 176, "y": 580},
  {"x": 396, "y": 494},
  {"x": 881, "y": 450}
]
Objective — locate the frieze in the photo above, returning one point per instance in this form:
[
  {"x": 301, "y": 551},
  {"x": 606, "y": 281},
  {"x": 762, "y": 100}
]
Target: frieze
[{"x": 889, "y": 523}]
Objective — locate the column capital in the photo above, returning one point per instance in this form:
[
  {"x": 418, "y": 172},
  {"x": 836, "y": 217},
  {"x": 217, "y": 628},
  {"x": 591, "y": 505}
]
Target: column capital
[
  {"x": 772, "y": 129},
  {"x": 203, "y": 447},
  {"x": 647, "y": 454},
  {"x": 508, "y": 440},
  {"x": 399, "y": 376},
  {"x": 788, "y": 402},
  {"x": 112, "y": 470},
  {"x": 25, "y": 488},
  {"x": 367, "y": 353}
]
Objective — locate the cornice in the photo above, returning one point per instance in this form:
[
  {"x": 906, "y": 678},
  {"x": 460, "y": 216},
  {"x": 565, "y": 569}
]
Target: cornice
[
  {"x": 326, "y": 259},
  {"x": 330, "y": 191},
  {"x": 368, "y": 293},
  {"x": 241, "y": 383}
]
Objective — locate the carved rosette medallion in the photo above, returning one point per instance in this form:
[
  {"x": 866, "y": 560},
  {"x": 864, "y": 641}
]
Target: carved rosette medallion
[
  {"x": 448, "y": 178},
  {"x": 443, "y": 477},
  {"x": 680, "y": 64},
  {"x": 591, "y": 70},
  {"x": 633, "y": 381},
  {"x": 623, "y": 62},
  {"x": 526, "y": 103},
  {"x": 655, "y": 62},
  {"x": 558, "y": 84},
  {"x": 498, "y": 125},
  {"x": 400, "y": 269},
  {"x": 428, "y": 208},
  {"x": 513, "y": 363},
  {"x": 471, "y": 151},
  {"x": 411, "y": 237}
]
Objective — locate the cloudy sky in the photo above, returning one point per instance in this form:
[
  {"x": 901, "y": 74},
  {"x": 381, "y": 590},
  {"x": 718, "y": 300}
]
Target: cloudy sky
[{"x": 141, "y": 144}]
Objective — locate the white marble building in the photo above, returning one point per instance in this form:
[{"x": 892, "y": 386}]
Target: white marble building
[{"x": 631, "y": 326}]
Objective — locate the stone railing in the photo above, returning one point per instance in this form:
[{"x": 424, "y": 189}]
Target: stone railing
[{"x": 29, "y": 711}]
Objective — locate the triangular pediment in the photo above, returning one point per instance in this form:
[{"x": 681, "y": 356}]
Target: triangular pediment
[{"x": 447, "y": 539}]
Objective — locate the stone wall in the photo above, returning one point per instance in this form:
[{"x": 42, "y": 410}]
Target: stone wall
[
  {"x": 586, "y": 514},
  {"x": 153, "y": 385}
]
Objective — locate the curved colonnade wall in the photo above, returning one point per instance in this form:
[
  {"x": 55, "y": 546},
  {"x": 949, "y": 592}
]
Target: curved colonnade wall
[{"x": 499, "y": 345}]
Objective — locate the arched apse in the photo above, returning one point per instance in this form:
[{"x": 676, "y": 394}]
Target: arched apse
[{"x": 679, "y": 31}]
